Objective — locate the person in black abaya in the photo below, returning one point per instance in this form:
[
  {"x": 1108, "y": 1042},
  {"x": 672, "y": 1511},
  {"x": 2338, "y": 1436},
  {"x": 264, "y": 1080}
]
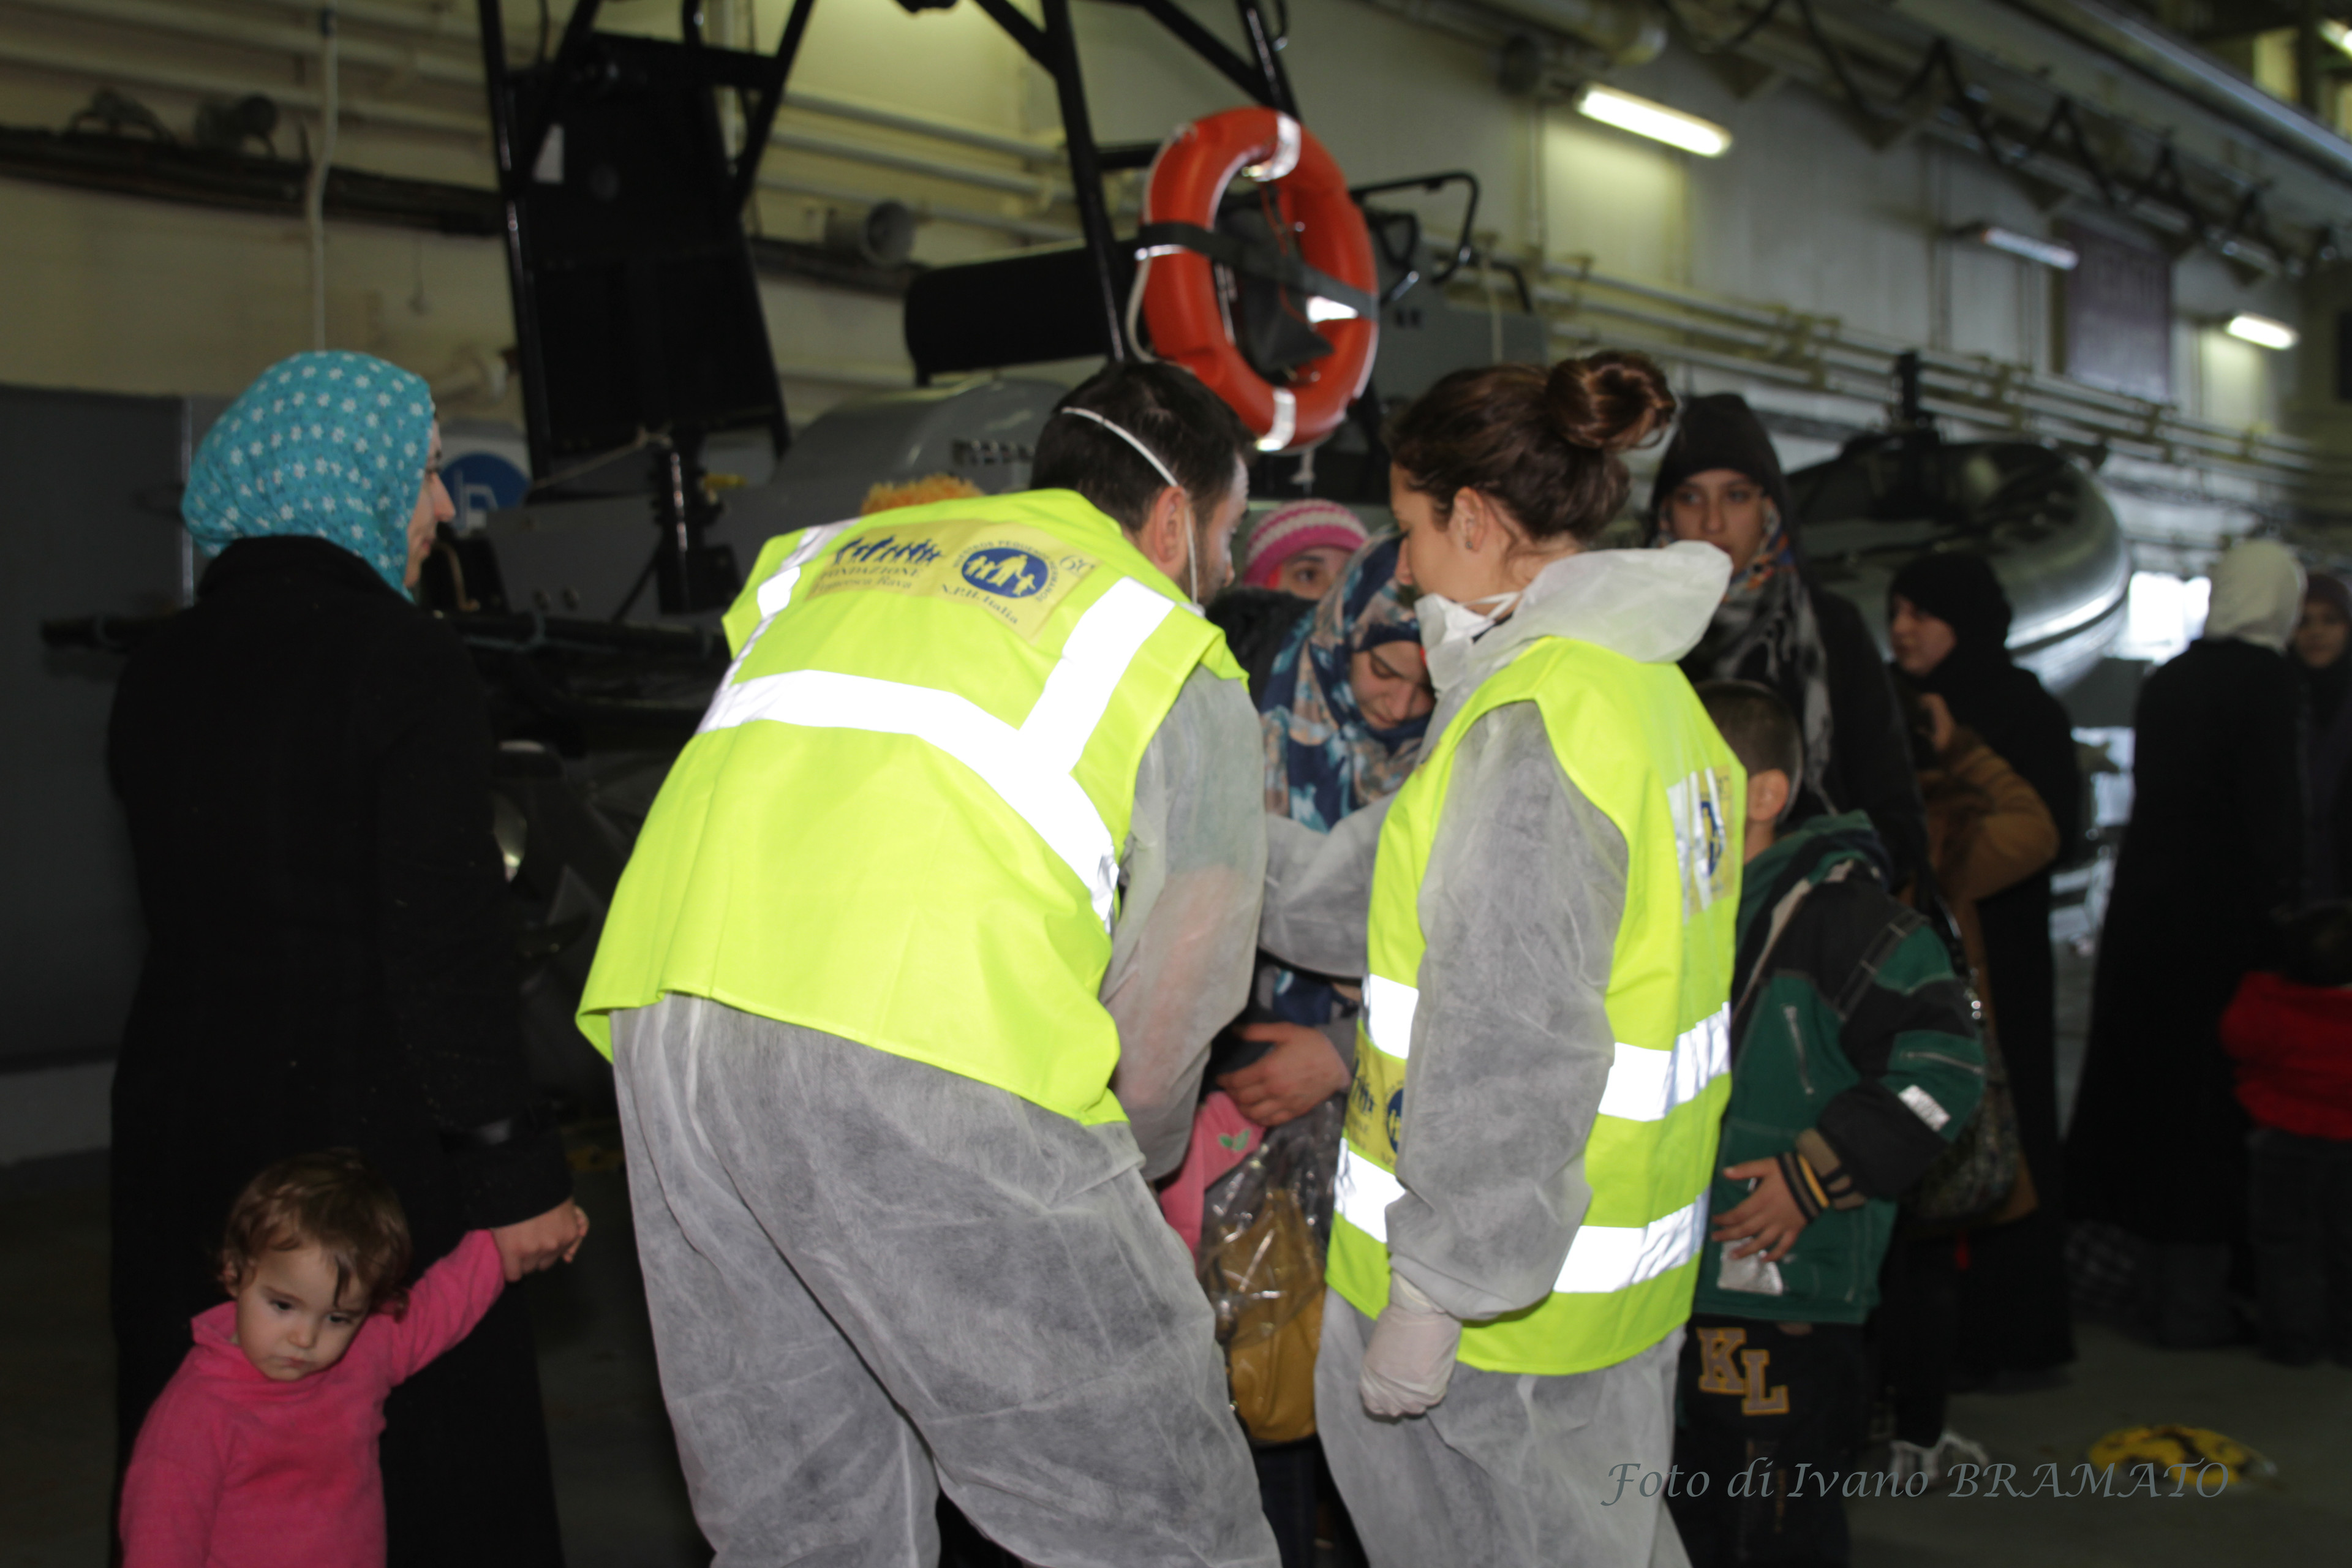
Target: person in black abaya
[
  {"x": 303, "y": 760},
  {"x": 1719, "y": 483},
  {"x": 2213, "y": 853},
  {"x": 2317, "y": 654},
  {"x": 1948, "y": 621}
]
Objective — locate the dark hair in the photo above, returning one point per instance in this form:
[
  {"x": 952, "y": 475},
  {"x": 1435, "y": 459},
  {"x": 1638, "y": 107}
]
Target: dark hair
[
  {"x": 1757, "y": 725},
  {"x": 1542, "y": 443},
  {"x": 331, "y": 1200},
  {"x": 2317, "y": 945},
  {"x": 1167, "y": 408}
]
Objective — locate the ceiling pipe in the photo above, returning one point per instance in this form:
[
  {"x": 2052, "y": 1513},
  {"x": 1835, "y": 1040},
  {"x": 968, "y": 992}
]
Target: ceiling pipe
[
  {"x": 1629, "y": 32},
  {"x": 176, "y": 18},
  {"x": 1756, "y": 340},
  {"x": 112, "y": 68},
  {"x": 2168, "y": 60},
  {"x": 409, "y": 116}
]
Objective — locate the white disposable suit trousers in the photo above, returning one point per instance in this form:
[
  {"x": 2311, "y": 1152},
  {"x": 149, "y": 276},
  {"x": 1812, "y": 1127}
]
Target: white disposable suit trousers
[
  {"x": 872, "y": 1279},
  {"x": 1510, "y": 1470}
]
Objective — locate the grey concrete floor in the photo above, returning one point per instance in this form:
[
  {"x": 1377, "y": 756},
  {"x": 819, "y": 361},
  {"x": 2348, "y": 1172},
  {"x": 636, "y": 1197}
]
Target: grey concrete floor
[
  {"x": 624, "y": 1503},
  {"x": 2298, "y": 1419}
]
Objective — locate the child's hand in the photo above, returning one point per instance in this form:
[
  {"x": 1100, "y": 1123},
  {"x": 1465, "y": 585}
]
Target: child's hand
[
  {"x": 1769, "y": 1215},
  {"x": 529, "y": 1246},
  {"x": 1301, "y": 1073}
]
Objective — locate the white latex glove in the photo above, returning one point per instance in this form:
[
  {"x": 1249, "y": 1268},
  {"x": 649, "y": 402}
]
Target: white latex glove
[{"x": 1410, "y": 1358}]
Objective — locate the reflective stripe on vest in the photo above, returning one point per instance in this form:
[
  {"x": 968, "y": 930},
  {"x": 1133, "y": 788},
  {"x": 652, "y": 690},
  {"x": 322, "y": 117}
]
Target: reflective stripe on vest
[
  {"x": 777, "y": 591},
  {"x": 1602, "y": 1257},
  {"x": 1029, "y": 768},
  {"x": 1643, "y": 1085},
  {"x": 1632, "y": 740},
  {"x": 898, "y": 824},
  {"x": 1389, "y": 1008}
]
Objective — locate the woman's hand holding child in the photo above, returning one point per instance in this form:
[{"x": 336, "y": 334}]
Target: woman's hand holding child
[{"x": 529, "y": 1246}]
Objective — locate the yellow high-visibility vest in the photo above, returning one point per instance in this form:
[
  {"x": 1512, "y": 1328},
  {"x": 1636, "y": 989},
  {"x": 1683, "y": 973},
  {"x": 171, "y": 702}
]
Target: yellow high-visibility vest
[
  {"x": 901, "y": 818},
  {"x": 1635, "y": 742}
]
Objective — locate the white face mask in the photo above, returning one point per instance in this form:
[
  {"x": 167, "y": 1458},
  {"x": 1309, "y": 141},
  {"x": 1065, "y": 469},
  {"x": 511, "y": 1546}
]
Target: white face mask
[{"x": 1448, "y": 630}]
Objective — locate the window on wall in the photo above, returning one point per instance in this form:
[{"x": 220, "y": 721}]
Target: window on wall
[{"x": 2117, "y": 304}]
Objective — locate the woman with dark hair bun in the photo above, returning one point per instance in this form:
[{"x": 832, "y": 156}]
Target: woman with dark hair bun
[{"x": 1550, "y": 949}]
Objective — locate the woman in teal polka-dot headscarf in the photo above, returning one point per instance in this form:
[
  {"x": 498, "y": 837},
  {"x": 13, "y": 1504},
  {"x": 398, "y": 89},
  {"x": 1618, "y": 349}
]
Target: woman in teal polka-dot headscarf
[{"x": 339, "y": 447}]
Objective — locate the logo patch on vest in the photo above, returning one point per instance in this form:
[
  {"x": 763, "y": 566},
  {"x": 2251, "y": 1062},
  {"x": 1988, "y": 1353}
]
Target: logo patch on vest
[
  {"x": 1703, "y": 812},
  {"x": 1375, "y": 1123},
  {"x": 1017, "y": 574},
  {"x": 1006, "y": 571}
]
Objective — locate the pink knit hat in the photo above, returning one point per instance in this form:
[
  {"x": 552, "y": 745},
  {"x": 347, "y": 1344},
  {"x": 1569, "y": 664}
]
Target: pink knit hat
[{"x": 1296, "y": 526}]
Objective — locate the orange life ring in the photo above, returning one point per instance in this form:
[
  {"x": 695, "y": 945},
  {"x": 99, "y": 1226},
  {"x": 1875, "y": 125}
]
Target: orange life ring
[{"x": 1188, "y": 321}]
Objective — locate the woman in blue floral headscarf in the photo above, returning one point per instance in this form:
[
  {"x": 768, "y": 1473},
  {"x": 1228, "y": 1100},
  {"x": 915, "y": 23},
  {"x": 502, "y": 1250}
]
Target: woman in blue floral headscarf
[
  {"x": 1342, "y": 714},
  {"x": 303, "y": 758},
  {"x": 1349, "y": 697}
]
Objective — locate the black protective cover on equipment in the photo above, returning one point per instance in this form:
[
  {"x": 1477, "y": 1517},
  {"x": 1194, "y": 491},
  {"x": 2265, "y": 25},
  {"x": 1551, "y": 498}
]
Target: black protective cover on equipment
[
  {"x": 643, "y": 309},
  {"x": 1030, "y": 308}
]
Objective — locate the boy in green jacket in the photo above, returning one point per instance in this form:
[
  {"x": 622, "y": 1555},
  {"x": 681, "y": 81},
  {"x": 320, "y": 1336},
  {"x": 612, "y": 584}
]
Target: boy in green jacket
[{"x": 1855, "y": 1062}]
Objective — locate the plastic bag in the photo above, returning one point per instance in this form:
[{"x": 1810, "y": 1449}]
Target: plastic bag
[{"x": 1265, "y": 1230}]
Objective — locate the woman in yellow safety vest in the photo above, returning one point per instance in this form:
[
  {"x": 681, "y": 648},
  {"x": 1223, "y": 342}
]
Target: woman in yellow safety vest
[{"x": 1543, "y": 1058}]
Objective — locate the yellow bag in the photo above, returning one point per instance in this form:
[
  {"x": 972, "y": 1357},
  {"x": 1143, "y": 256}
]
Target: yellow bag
[{"x": 1266, "y": 1280}]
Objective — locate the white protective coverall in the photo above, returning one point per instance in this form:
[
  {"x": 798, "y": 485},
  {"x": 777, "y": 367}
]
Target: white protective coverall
[
  {"x": 872, "y": 1279},
  {"x": 1520, "y": 905}
]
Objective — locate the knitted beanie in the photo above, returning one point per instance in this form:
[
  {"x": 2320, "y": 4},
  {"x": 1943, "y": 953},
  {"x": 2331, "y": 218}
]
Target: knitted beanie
[{"x": 1296, "y": 526}]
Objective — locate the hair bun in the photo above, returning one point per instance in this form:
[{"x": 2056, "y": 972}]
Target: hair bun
[{"x": 1609, "y": 402}]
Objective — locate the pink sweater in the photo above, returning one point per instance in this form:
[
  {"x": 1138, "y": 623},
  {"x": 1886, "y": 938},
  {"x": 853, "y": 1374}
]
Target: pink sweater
[{"x": 234, "y": 1470}]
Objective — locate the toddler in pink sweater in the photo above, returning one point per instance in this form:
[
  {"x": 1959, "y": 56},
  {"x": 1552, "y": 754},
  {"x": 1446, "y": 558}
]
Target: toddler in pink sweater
[{"x": 262, "y": 1449}]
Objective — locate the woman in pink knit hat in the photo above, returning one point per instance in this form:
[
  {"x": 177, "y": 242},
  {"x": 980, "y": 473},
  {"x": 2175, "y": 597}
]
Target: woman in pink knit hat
[{"x": 1300, "y": 547}]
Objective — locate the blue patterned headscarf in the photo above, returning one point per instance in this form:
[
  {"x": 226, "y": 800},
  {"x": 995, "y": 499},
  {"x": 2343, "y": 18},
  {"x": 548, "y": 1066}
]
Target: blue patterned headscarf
[
  {"x": 1324, "y": 759},
  {"x": 328, "y": 445}
]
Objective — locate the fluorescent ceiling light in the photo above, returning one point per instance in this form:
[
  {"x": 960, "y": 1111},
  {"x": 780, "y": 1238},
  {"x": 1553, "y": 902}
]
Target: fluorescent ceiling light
[
  {"x": 2048, "y": 252},
  {"x": 2337, "y": 33},
  {"x": 1655, "y": 120},
  {"x": 2263, "y": 330}
]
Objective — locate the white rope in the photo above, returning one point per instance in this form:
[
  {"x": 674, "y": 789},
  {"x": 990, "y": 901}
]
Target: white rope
[{"x": 315, "y": 198}]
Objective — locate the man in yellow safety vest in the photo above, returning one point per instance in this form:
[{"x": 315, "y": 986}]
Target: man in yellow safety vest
[{"x": 907, "y": 988}]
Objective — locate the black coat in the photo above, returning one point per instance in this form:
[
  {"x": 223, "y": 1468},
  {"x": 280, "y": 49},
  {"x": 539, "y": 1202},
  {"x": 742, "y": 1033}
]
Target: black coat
[
  {"x": 1870, "y": 767},
  {"x": 2328, "y": 826},
  {"x": 2015, "y": 1311},
  {"x": 2213, "y": 850},
  {"x": 304, "y": 760}
]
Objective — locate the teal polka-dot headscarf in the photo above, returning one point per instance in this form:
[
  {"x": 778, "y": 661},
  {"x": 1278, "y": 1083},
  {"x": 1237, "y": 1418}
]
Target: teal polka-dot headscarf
[{"x": 331, "y": 446}]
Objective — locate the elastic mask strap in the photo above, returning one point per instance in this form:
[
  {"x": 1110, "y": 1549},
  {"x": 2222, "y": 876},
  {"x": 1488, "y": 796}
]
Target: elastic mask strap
[
  {"x": 1128, "y": 437},
  {"x": 1191, "y": 540}
]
